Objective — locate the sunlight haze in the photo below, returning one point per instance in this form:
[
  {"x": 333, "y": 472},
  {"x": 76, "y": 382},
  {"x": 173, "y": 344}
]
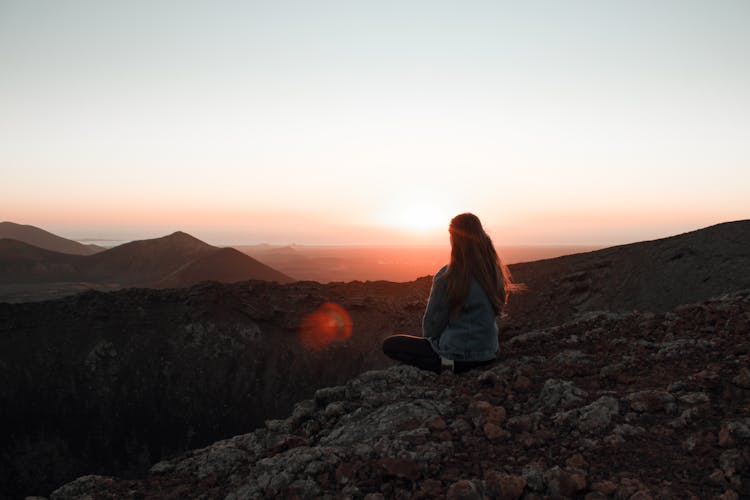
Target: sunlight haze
[{"x": 349, "y": 122}]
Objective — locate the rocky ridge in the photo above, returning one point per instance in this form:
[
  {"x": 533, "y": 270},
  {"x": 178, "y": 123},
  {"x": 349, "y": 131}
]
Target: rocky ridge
[{"x": 609, "y": 405}]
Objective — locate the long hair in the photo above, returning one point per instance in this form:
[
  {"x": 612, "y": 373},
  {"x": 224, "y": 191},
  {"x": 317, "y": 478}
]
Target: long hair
[{"x": 473, "y": 256}]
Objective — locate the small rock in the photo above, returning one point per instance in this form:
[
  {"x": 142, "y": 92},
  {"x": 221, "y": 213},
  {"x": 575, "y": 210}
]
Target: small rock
[
  {"x": 577, "y": 461},
  {"x": 496, "y": 415},
  {"x": 304, "y": 488},
  {"x": 525, "y": 423},
  {"x": 733, "y": 431},
  {"x": 345, "y": 472},
  {"x": 563, "y": 483},
  {"x": 569, "y": 357},
  {"x": 323, "y": 397},
  {"x": 595, "y": 495},
  {"x": 686, "y": 418},
  {"x": 504, "y": 486},
  {"x": 431, "y": 488},
  {"x": 488, "y": 378},
  {"x": 604, "y": 487},
  {"x": 494, "y": 432},
  {"x": 652, "y": 401},
  {"x": 533, "y": 473},
  {"x": 81, "y": 487},
  {"x": 641, "y": 495},
  {"x": 598, "y": 415},
  {"x": 438, "y": 424},
  {"x": 725, "y": 438},
  {"x": 731, "y": 461},
  {"x": 728, "y": 495},
  {"x": 335, "y": 409},
  {"x": 444, "y": 435},
  {"x": 560, "y": 394},
  {"x": 463, "y": 490},
  {"x": 692, "y": 398},
  {"x": 742, "y": 379},
  {"x": 522, "y": 383},
  {"x": 400, "y": 468},
  {"x": 717, "y": 476}
]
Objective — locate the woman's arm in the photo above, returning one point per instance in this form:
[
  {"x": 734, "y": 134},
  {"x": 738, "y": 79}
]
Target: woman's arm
[{"x": 435, "y": 317}]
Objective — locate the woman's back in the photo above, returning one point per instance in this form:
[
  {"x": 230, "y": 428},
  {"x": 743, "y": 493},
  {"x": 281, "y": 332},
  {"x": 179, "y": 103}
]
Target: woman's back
[{"x": 468, "y": 333}]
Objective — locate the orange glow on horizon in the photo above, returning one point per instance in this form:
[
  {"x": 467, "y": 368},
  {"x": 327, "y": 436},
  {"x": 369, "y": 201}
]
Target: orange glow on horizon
[{"x": 329, "y": 323}]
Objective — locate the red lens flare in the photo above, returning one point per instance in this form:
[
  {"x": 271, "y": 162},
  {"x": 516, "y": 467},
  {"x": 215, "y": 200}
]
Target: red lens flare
[{"x": 328, "y": 324}]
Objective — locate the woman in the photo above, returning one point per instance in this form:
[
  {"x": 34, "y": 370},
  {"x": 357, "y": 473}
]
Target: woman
[{"x": 459, "y": 326}]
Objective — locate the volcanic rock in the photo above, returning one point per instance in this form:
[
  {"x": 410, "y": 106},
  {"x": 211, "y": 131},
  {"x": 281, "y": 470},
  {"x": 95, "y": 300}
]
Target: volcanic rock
[{"x": 387, "y": 444}]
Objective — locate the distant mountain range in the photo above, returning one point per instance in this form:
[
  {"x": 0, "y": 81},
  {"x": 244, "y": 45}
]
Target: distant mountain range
[
  {"x": 44, "y": 239},
  {"x": 174, "y": 261}
]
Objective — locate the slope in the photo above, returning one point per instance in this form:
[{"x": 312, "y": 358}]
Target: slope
[
  {"x": 21, "y": 262},
  {"x": 226, "y": 265},
  {"x": 650, "y": 276},
  {"x": 44, "y": 239},
  {"x": 145, "y": 262}
]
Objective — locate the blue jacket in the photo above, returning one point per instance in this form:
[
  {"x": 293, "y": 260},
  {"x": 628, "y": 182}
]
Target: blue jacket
[{"x": 469, "y": 335}]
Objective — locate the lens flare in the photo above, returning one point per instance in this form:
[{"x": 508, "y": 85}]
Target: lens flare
[{"x": 328, "y": 324}]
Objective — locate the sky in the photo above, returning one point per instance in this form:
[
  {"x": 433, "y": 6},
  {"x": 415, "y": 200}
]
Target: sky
[{"x": 362, "y": 122}]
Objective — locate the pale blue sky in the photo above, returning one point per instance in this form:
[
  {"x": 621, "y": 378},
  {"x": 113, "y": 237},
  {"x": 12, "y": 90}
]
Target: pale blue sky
[{"x": 343, "y": 122}]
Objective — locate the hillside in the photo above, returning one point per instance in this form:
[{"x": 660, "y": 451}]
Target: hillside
[
  {"x": 44, "y": 239},
  {"x": 648, "y": 276},
  {"x": 226, "y": 265},
  {"x": 628, "y": 406},
  {"x": 24, "y": 263},
  {"x": 145, "y": 262}
]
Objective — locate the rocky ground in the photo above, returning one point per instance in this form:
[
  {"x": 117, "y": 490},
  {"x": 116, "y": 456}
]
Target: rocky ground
[
  {"x": 627, "y": 406},
  {"x": 110, "y": 383}
]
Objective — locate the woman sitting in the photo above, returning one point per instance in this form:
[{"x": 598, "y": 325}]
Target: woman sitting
[{"x": 459, "y": 326}]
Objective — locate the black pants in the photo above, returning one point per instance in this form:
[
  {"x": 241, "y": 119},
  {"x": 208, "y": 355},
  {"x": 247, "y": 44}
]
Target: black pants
[{"x": 416, "y": 351}]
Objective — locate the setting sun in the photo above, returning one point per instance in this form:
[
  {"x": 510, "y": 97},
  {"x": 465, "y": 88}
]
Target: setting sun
[{"x": 420, "y": 217}]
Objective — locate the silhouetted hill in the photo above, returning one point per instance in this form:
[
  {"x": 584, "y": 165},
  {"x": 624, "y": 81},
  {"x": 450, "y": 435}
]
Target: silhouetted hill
[
  {"x": 175, "y": 260},
  {"x": 24, "y": 263},
  {"x": 146, "y": 262},
  {"x": 648, "y": 276},
  {"x": 226, "y": 265},
  {"x": 44, "y": 239}
]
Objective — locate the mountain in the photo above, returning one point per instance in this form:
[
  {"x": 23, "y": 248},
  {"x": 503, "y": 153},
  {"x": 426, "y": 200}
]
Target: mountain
[
  {"x": 146, "y": 262},
  {"x": 111, "y": 383},
  {"x": 648, "y": 276},
  {"x": 225, "y": 265},
  {"x": 44, "y": 239},
  {"x": 176, "y": 260},
  {"x": 623, "y": 406},
  {"x": 24, "y": 263}
]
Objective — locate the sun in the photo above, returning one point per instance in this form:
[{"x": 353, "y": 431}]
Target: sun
[{"x": 416, "y": 216}]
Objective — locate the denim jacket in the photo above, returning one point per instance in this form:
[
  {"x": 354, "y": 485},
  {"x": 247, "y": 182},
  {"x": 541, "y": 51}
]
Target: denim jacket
[{"x": 468, "y": 335}]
